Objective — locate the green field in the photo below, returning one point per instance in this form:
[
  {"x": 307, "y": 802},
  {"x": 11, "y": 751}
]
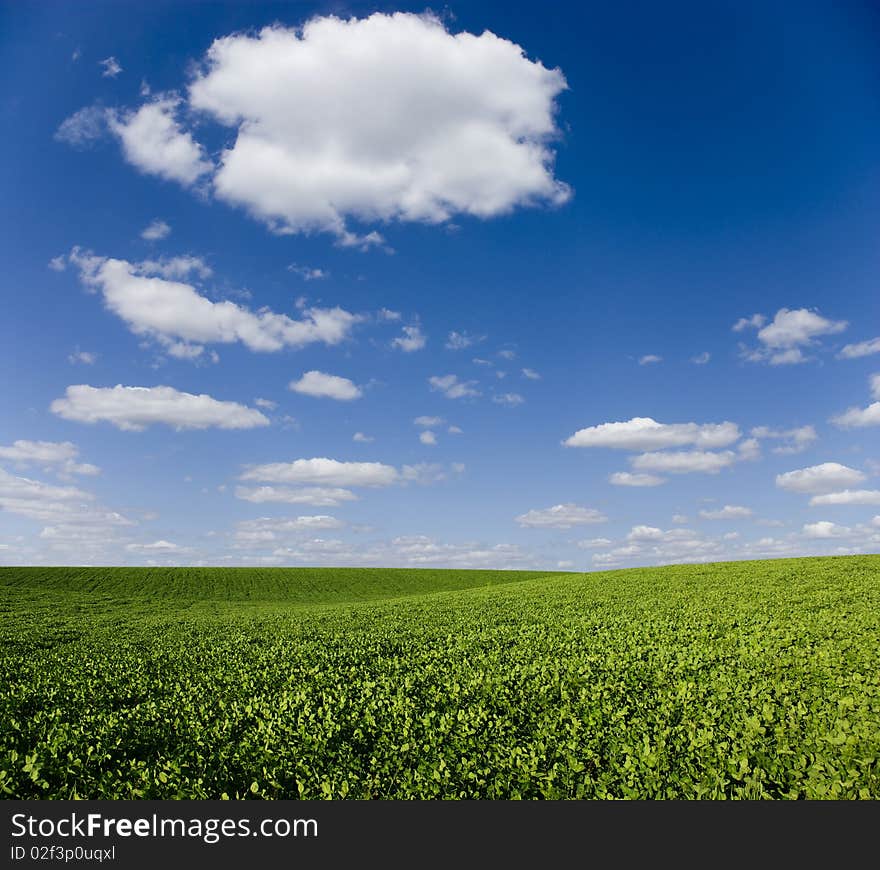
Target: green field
[{"x": 738, "y": 680}]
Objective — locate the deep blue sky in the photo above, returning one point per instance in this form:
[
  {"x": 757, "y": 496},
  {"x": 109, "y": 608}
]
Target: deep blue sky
[{"x": 723, "y": 162}]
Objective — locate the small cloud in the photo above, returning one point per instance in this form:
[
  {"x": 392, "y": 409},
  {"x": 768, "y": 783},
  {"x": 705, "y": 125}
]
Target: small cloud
[
  {"x": 412, "y": 339},
  {"x": 268, "y": 404},
  {"x": 428, "y": 438},
  {"x": 507, "y": 354},
  {"x": 452, "y": 387},
  {"x": 756, "y": 321},
  {"x": 531, "y": 374},
  {"x": 650, "y": 359},
  {"x": 626, "y": 478},
  {"x": 701, "y": 358},
  {"x": 388, "y": 315},
  {"x": 83, "y": 357},
  {"x": 58, "y": 264},
  {"x": 111, "y": 67},
  {"x": 560, "y": 516},
  {"x": 454, "y": 430},
  {"x": 308, "y": 273},
  {"x": 322, "y": 385},
  {"x": 156, "y": 230},
  {"x": 509, "y": 399},
  {"x": 360, "y": 438},
  {"x": 728, "y": 512},
  {"x": 461, "y": 340},
  {"x": 428, "y": 422}
]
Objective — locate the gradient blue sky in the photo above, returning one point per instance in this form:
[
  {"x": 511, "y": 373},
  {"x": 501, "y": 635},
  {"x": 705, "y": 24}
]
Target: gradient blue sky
[{"x": 595, "y": 204}]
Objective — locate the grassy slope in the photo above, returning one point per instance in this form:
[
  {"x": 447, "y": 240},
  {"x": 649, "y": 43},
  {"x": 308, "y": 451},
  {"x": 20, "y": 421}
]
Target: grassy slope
[
  {"x": 291, "y": 585},
  {"x": 751, "y": 679}
]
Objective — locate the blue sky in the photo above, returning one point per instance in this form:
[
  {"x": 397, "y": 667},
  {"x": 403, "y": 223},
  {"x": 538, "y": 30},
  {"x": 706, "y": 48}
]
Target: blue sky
[{"x": 347, "y": 284}]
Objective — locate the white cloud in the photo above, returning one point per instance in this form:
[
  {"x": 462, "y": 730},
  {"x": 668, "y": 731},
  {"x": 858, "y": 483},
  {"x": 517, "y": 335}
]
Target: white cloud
[
  {"x": 154, "y": 142},
  {"x": 455, "y": 430},
  {"x": 684, "y": 461},
  {"x": 83, "y": 128},
  {"x": 425, "y": 473},
  {"x": 428, "y": 437},
  {"x": 386, "y": 118},
  {"x": 321, "y": 385},
  {"x": 874, "y": 382},
  {"x": 61, "y": 455},
  {"x": 560, "y": 516},
  {"x": 156, "y": 230},
  {"x": 679, "y": 518},
  {"x": 531, "y": 374},
  {"x": 645, "y": 533},
  {"x": 360, "y": 438},
  {"x": 175, "y": 267},
  {"x": 728, "y": 512},
  {"x": 858, "y": 417},
  {"x": 388, "y": 315},
  {"x": 160, "y": 546},
  {"x": 756, "y": 321},
  {"x": 272, "y": 529},
  {"x": 324, "y": 472},
  {"x": 85, "y": 357},
  {"x": 825, "y": 529},
  {"x": 58, "y": 264},
  {"x": 171, "y": 310},
  {"x": 643, "y": 433},
  {"x": 308, "y": 273},
  {"x": 749, "y": 450},
  {"x": 318, "y": 496},
  {"x": 798, "y": 439},
  {"x": 790, "y": 330},
  {"x": 650, "y": 358},
  {"x": 625, "y": 478},
  {"x": 452, "y": 387},
  {"x": 461, "y": 340},
  {"x": 428, "y": 422},
  {"x": 827, "y": 477},
  {"x": 594, "y": 543},
  {"x": 412, "y": 339},
  {"x": 48, "y": 503},
  {"x": 701, "y": 358},
  {"x": 847, "y": 496},
  {"x": 506, "y": 354},
  {"x": 509, "y": 399},
  {"x": 134, "y": 408},
  {"x": 111, "y": 67},
  {"x": 862, "y": 348},
  {"x": 268, "y": 404}
]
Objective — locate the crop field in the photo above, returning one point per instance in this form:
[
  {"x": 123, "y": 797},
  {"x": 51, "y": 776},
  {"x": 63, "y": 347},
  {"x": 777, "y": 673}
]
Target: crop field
[{"x": 737, "y": 680}]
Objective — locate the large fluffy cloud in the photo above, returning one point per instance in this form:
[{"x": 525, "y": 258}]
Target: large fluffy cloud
[
  {"x": 643, "y": 433},
  {"x": 387, "y": 117},
  {"x": 560, "y": 516},
  {"x": 827, "y": 477},
  {"x": 175, "y": 313},
  {"x": 134, "y": 408}
]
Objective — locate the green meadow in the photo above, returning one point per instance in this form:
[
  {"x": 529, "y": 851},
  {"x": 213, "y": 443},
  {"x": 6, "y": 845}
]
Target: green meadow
[{"x": 718, "y": 681}]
